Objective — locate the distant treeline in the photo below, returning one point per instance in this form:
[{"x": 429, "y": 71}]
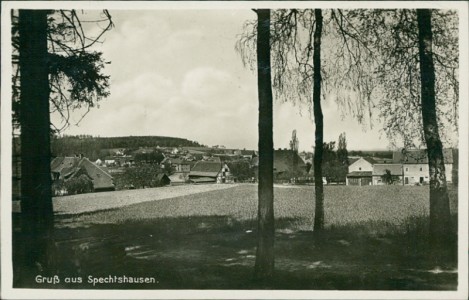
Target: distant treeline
[
  {"x": 96, "y": 147},
  {"x": 378, "y": 153}
]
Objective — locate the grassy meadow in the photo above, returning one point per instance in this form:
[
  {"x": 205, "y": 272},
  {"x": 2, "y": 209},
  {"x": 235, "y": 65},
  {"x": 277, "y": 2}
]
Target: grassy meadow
[{"x": 374, "y": 239}]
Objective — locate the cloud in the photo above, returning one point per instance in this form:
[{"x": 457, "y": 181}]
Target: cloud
[{"x": 176, "y": 73}]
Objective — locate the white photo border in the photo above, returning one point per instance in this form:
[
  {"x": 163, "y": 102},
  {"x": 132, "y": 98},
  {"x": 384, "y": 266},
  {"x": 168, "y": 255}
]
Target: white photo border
[{"x": 7, "y": 292}]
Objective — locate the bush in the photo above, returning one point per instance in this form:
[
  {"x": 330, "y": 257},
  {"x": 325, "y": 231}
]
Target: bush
[
  {"x": 241, "y": 169},
  {"x": 142, "y": 176},
  {"x": 79, "y": 185}
]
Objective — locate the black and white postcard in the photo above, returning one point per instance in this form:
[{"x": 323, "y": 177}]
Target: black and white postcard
[{"x": 234, "y": 150}]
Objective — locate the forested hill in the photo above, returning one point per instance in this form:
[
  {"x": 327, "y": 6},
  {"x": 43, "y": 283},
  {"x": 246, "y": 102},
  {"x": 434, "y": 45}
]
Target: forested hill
[{"x": 95, "y": 147}]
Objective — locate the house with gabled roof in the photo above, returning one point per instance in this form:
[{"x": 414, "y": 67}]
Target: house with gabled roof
[
  {"x": 415, "y": 165},
  {"x": 162, "y": 179},
  {"x": 210, "y": 172},
  {"x": 179, "y": 164},
  {"x": 284, "y": 162},
  {"x": 66, "y": 168},
  {"x": 360, "y": 171}
]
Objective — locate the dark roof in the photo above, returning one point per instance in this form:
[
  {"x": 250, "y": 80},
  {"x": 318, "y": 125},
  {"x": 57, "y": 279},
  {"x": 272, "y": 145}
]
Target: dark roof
[
  {"x": 203, "y": 179},
  {"x": 60, "y": 163},
  {"x": 248, "y": 152},
  {"x": 419, "y": 156},
  {"x": 67, "y": 167},
  {"x": 366, "y": 158},
  {"x": 380, "y": 169},
  {"x": 178, "y": 161},
  {"x": 381, "y": 160},
  {"x": 369, "y": 159},
  {"x": 360, "y": 174},
  {"x": 101, "y": 178},
  {"x": 206, "y": 169},
  {"x": 283, "y": 161},
  {"x": 162, "y": 177},
  {"x": 214, "y": 159}
]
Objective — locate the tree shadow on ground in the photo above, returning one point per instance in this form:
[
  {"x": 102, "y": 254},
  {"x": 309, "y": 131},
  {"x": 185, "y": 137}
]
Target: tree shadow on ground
[{"x": 218, "y": 252}]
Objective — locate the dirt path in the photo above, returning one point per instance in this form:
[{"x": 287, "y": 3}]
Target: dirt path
[{"x": 107, "y": 200}]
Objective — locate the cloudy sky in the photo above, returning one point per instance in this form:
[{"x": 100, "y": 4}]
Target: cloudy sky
[{"x": 176, "y": 73}]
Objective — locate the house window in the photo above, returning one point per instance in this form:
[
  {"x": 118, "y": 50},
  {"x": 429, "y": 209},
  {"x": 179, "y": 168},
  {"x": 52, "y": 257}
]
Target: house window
[
  {"x": 420, "y": 169},
  {"x": 407, "y": 169},
  {"x": 359, "y": 169}
]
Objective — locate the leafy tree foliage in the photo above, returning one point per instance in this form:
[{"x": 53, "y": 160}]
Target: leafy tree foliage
[
  {"x": 143, "y": 176},
  {"x": 388, "y": 178},
  {"x": 79, "y": 185},
  {"x": 45, "y": 49},
  {"x": 392, "y": 69},
  {"x": 98, "y": 147},
  {"x": 342, "y": 153},
  {"x": 76, "y": 78},
  {"x": 154, "y": 157},
  {"x": 414, "y": 73},
  {"x": 333, "y": 168},
  {"x": 241, "y": 169}
]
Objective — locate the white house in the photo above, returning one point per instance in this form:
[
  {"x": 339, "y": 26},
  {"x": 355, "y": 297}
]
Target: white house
[
  {"x": 415, "y": 165},
  {"x": 360, "y": 172},
  {"x": 363, "y": 164}
]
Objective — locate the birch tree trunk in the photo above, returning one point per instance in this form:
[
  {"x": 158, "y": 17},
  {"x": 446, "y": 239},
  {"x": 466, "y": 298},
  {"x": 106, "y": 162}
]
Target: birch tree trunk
[
  {"x": 319, "y": 124},
  {"x": 439, "y": 200}
]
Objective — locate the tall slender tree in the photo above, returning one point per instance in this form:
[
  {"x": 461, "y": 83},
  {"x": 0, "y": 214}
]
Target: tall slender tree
[
  {"x": 264, "y": 265},
  {"x": 50, "y": 71},
  {"x": 36, "y": 200},
  {"x": 439, "y": 200},
  {"x": 342, "y": 153},
  {"x": 319, "y": 124},
  {"x": 415, "y": 76},
  {"x": 294, "y": 144}
]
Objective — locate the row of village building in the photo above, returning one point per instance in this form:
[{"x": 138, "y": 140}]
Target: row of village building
[{"x": 407, "y": 167}]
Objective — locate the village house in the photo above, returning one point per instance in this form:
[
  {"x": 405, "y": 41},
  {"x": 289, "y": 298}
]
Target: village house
[
  {"x": 180, "y": 165},
  {"x": 407, "y": 167},
  {"x": 248, "y": 154},
  {"x": 66, "y": 168},
  {"x": 284, "y": 162},
  {"x": 162, "y": 179},
  {"x": 415, "y": 165},
  {"x": 360, "y": 171},
  {"x": 210, "y": 172}
]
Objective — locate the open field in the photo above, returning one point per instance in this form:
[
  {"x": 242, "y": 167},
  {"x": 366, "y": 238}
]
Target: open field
[
  {"x": 374, "y": 239},
  {"x": 76, "y": 204}
]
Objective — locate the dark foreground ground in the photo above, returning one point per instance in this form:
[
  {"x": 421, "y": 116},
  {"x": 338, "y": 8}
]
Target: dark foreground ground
[{"x": 374, "y": 240}]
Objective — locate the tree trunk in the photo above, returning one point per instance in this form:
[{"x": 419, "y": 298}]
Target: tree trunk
[
  {"x": 439, "y": 200},
  {"x": 36, "y": 199},
  {"x": 264, "y": 266},
  {"x": 319, "y": 124}
]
